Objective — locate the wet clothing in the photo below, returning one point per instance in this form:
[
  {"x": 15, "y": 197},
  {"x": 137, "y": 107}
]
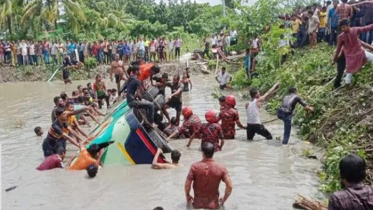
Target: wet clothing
[
  {"x": 289, "y": 102},
  {"x": 100, "y": 88},
  {"x": 253, "y": 129},
  {"x": 285, "y": 113},
  {"x": 51, "y": 162},
  {"x": 229, "y": 118},
  {"x": 253, "y": 112},
  {"x": 358, "y": 197},
  {"x": 211, "y": 132},
  {"x": 82, "y": 161},
  {"x": 186, "y": 86},
  {"x": 191, "y": 125},
  {"x": 176, "y": 101},
  {"x": 170, "y": 130},
  {"x": 206, "y": 176},
  {"x": 54, "y": 138}
]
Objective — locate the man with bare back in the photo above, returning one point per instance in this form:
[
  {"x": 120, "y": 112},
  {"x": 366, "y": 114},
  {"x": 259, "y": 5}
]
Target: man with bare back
[{"x": 117, "y": 67}]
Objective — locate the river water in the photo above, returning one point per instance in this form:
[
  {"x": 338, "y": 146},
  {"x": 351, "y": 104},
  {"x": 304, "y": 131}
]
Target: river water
[{"x": 264, "y": 174}]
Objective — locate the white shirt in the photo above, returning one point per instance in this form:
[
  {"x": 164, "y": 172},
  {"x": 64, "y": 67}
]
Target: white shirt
[
  {"x": 24, "y": 49},
  {"x": 32, "y": 49},
  {"x": 253, "y": 113},
  {"x": 223, "y": 79},
  {"x": 141, "y": 46},
  {"x": 213, "y": 41},
  {"x": 171, "y": 45},
  {"x": 254, "y": 43}
]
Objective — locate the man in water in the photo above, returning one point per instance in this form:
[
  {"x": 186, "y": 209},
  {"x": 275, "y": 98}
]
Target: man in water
[
  {"x": 353, "y": 51},
  {"x": 175, "y": 99},
  {"x": 211, "y": 172},
  {"x": 58, "y": 134},
  {"x": 223, "y": 78},
  {"x": 133, "y": 95},
  {"x": 170, "y": 129},
  {"x": 117, "y": 67},
  {"x": 355, "y": 195},
  {"x": 38, "y": 131},
  {"x": 253, "y": 111},
  {"x": 89, "y": 156},
  {"x": 285, "y": 112},
  {"x": 190, "y": 125},
  {"x": 58, "y": 102},
  {"x": 175, "y": 156},
  {"x": 99, "y": 89},
  {"x": 229, "y": 118},
  {"x": 222, "y": 102},
  {"x": 53, "y": 161},
  {"x": 210, "y": 131}
]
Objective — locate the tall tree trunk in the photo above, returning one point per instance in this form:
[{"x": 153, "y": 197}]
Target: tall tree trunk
[{"x": 9, "y": 20}]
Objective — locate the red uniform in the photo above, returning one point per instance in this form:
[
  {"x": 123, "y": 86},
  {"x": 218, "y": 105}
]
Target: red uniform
[
  {"x": 206, "y": 176},
  {"x": 191, "y": 125},
  {"x": 228, "y": 117},
  {"x": 211, "y": 132}
]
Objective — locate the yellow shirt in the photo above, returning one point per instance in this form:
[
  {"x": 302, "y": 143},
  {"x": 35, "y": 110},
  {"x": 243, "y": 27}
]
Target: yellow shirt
[
  {"x": 295, "y": 25},
  {"x": 322, "y": 18},
  {"x": 70, "y": 120}
]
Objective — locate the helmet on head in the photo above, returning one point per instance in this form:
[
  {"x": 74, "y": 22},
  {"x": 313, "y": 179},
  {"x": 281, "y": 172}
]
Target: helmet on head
[
  {"x": 230, "y": 100},
  {"x": 187, "y": 112},
  {"x": 212, "y": 116}
]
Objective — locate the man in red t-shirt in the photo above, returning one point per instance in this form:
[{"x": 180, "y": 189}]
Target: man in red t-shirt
[
  {"x": 53, "y": 161},
  {"x": 206, "y": 176},
  {"x": 147, "y": 71}
]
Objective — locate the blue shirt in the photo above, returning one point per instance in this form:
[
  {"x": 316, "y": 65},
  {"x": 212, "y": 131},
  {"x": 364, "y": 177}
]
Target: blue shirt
[
  {"x": 71, "y": 48},
  {"x": 127, "y": 49},
  {"x": 247, "y": 61},
  {"x": 333, "y": 17},
  {"x": 120, "y": 49}
]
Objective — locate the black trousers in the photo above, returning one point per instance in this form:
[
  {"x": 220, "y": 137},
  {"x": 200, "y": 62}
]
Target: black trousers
[
  {"x": 341, "y": 66},
  {"x": 206, "y": 52},
  {"x": 148, "y": 106},
  {"x": 253, "y": 129},
  {"x": 99, "y": 98}
]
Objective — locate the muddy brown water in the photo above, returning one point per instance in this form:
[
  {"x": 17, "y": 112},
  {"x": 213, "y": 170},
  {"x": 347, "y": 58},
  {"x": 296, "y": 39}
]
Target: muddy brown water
[{"x": 264, "y": 174}]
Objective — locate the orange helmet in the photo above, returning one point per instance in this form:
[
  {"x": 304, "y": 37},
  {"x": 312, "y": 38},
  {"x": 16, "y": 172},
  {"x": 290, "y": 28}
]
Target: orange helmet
[
  {"x": 230, "y": 100},
  {"x": 212, "y": 116},
  {"x": 187, "y": 112}
]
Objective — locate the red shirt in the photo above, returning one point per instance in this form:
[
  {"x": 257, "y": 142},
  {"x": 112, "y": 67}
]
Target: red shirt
[
  {"x": 211, "y": 132},
  {"x": 145, "y": 71},
  {"x": 352, "y": 48},
  {"x": 51, "y": 162},
  {"x": 95, "y": 49},
  {"x": 191, "y": 125},
  {"x": 206, "y": 176},
  {"x": 344, "y": 11},
  {"x": 228, "y": 122}
]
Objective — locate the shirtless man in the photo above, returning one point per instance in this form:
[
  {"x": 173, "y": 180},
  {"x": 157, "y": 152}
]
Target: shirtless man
[
  {"x": 117, "y": 68},
  {"x": 175, "y": 156}
]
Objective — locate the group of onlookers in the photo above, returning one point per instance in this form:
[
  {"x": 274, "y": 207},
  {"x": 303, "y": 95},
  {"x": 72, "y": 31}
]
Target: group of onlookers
[
  {"x": 321, "y": 23},
  {"x": 24, "y": 52}
]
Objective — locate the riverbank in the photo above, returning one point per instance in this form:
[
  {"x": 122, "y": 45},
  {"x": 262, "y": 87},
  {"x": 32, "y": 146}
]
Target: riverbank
[
  {"x": 43, "y": 73},
  {"x": 342, "y": 120}
]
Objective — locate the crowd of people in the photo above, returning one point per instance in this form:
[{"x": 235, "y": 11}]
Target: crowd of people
[{"x": 30, "y": 52}]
